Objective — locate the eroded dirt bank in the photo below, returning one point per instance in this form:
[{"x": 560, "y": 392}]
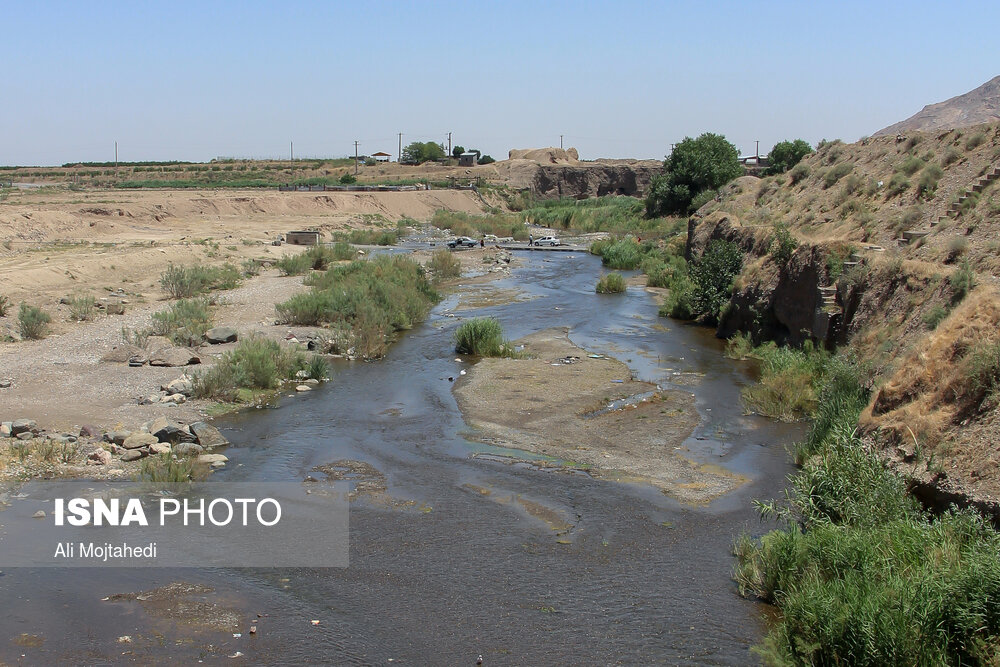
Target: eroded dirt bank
[{"x": 556, "y": 403}]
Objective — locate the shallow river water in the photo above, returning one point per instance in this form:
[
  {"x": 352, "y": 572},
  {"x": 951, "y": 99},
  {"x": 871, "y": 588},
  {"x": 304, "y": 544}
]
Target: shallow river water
[{"x": 638, "y": 578}]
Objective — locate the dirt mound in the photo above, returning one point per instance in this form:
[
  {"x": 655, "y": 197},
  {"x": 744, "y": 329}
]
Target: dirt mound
[
  {"x": 546, "y": 155},
  {"x": 975, "y": 107}
]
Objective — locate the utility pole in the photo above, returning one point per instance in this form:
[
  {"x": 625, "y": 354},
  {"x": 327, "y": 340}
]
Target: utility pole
[
  {"x": 449, "y": 144},
  {"x": 560, "y": 142},
  {"x": 355, "y": 158},
  {"x": 757, "y": 152},
  {"x": 116, "y": 158},
  {"x": 291, "y": 152},
  {"x": 399, "y": 151}
]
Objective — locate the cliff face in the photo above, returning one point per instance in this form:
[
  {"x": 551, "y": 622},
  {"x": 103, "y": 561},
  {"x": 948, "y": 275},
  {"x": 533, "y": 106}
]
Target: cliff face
[{"x": 593, "y": 179}]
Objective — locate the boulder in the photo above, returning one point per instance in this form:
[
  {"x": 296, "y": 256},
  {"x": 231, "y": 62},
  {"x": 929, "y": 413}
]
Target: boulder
[
  {"x": 174, "y": 356},
  {"x": 182, "y": 385},
  {"x": 133, "y": 455},
  {"x": 19, "y": 426},
  {"x": 116, "y": 437},
  {"x": 115, "y": 308},
  {"x": 187, "y": 449},
  {"x": 99, "y": 457},
  {"x": 90, "y": 431},
  {"x": 303, "y": 387},
  {"x": 221, "y": 335},
  {"x": 165, "y": 430},
  {"x": 27, "y": 435},
  {"x": 138, "y": 360},
  {"x": 5, "y": 430},
  {"x": 208, "y": 436},
  {"x": 160, "y": 448},
  {"x": 149, "y": 400},
  {"x": 176, "y": 399},
  {"x": 137, "y": 440}
]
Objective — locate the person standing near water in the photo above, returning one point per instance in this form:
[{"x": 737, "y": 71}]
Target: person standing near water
[{"x": 531, "y": 241}]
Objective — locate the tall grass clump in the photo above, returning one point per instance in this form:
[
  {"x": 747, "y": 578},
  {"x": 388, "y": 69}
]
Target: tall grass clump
[
  {"x": 369, "y": 237},
  {"x": 182, "y": 282},
  {"x": 372, "y": 299},
  {"x": 4, "y": 305},
  {"x": 623, "y": 254},
  {"x": 786, "y": 389},
  {"x": 962, "y": 281},
  {"x": 168, "y": 469},
  {"x": 316, "y": 258},
  {"x": 483, "y": 337},
  {"x": 82, "y": 308},
  {"x": 255, "y": 364},
  {"x": 611, "y": 283},
  {"x": 929, "y": 177},
  {"x": 184, "y": 322},
  {"x": 444, "y": 265},
  {"x": 32, "y": 322},
  {"x": 836, "y": 173}
]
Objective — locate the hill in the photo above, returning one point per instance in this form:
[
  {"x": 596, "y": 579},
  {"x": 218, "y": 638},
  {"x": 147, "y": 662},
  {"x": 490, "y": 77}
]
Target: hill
[{"x": 975, "y": 107}]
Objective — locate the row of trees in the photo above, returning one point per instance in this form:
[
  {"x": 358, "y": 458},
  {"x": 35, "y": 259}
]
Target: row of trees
[
  {"x": 698, "y": 167},
  {"x": 419, "y": 152}
]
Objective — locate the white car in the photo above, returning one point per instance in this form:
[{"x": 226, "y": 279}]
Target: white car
[{"x": 547, "y": 240}]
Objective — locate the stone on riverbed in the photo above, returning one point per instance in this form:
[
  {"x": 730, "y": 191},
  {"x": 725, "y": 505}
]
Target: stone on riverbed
[
  {"x": 167, "y": 431},
  {"x": 182, "y": 385},
  {"x": 99, "y": 457},
  {"x": 20, "y": 426},
  {"x": 187, "y": 449},
  {"x": 133, "y": 455},
  {"x": 208, "y": 436},
  {"x": 160, "y": 448}
]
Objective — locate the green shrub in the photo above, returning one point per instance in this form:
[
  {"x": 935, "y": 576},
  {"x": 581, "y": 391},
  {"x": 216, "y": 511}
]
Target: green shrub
[
  {"x": 713, "y": 276},
  {"x": 786, "y": 389},
  {"x": 929, "y": 177},
  {"x": 483, "y": 337},
  {"x": 703, "y": 198},
  {"x": 184, "y": 322},
  {"x": 254, "y": 364},
  {"x": 836, "y": 173},
  {"x": 612, "y": 283},
  {"x": 951, "y": 155},
  {"x": 933, "y": 317},
  {"x": 975, "y": 141},
  {"x": 81, "y": 308},
  {"x": 250, "y": 268},
  {"x": 798, "y": 173},
  {"x": 348, "y": 178},
  {"x": 294, "y": 265},
  {"x": 663, "y": 270},
  {"x": 963, "y": 281},
  {"x": 681, "y": 302},
  {"x": 317, "y": 368},
  {"x": 910, "y": 166},
  {"x": 370, "y": 236},
  {"x": 33, "y": 322},
  {"x": 783, "y": 244},
  {"x": 185, "y": 282},
  {"x": 4, "y": 306},
  {"x": 786, "y": 155},
  {"x": 444, "y": 265},
  {"x": 898, "y": 184}
]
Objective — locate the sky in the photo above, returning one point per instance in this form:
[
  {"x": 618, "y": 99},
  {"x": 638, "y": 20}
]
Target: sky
[{"x": 198, "y": 80}]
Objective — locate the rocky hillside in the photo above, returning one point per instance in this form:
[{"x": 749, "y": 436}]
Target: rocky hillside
[
  {"x": 975, "y": 107},
  {"x": 899, "y": 249}
]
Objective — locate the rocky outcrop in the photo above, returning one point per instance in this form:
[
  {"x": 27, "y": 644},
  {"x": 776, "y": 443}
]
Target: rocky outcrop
[
  {"x": 975, "y": 107},
  {"x": 594, "y": 179}
]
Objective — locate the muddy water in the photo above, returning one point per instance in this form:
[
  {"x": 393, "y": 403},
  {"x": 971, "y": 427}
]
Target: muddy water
[{"x": 465, "y": 555}]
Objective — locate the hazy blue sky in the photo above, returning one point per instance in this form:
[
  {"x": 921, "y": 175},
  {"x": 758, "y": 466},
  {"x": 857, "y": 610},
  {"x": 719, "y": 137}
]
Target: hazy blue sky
[{"x": 197, "y": 80}]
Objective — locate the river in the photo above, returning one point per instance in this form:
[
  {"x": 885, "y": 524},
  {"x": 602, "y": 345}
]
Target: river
[{"x": 641, "y": 579}]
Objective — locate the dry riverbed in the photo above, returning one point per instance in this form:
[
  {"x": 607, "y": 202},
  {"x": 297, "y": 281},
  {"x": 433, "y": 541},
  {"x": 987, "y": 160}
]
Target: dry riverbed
[{"x": 587, "y": 411}]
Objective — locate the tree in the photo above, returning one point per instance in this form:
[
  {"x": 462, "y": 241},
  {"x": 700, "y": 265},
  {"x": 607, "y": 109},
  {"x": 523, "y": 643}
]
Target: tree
[
  {"x": 457, "y": 150},
  {"x": 713, "y": 277},
  {"x": 785, "y": 155},
  {"x": 695, "y": 165},
  {"x": 486, "y": 159},
  {"x": 418, "y": 153}
]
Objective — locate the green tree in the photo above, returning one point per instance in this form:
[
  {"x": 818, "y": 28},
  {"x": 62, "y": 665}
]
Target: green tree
[
  {"x": 713, "y": 276},
  {"x": 457, "y": 150},
  {"x": 785, "y": 155},
  {"x": 695, "y": 165},
  {"x": 348, "y": 178},
  {"x": 418, "y": 153}
]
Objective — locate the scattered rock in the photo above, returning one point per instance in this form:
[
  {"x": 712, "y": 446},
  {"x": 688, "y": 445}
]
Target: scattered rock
[
  {"x": 123, "y": 353},
  {"x": 303, "y": 387},
  {"x": 167, "y": 431},
  {"x": 115, "y": 309},
  {"x": 90, "y": 431},
  {"x": 116, "y": 437},
  {"x": 137, "y": 440},
  {"x": 212, "y": 459},
  {"x": 99, "y": 457},
  {"x": 207, "y": 435},
  {"x": 221, "y": 335},
  {"x": 5, "y": 383},
  {"x": 20, "y": 426},
  {"x": 149, "y": 400},
  {"x": 27, "y": 435},
  {"x": 187, "y": 449},
  {"x": 40, "y": 514},
  {"x": 174, "y": 356},
  {"x": 5, "y": 430},
  {"x": 133, "y": 455},
  {"x": 160, "y": 448},
  {"x": 312, "y": 382},
  {"x": 176, "y": 399},
  {"x": 182, "y": 385}
]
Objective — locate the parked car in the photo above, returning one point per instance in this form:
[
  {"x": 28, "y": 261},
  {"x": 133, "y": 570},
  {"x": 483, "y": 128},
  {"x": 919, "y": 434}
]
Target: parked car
[
  {"x": 462, "y": 242},
  {"x": 548, "y": 240}
]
